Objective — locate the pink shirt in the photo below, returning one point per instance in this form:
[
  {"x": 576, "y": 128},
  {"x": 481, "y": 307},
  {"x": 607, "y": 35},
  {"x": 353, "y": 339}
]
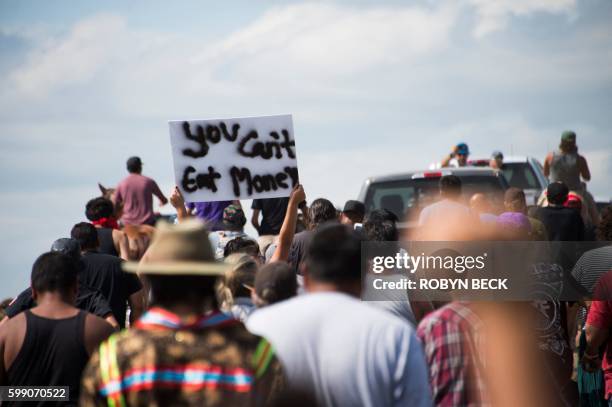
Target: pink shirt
[
  {"x": 136, "y": 193},
  {"x": 600, "y": 316}
]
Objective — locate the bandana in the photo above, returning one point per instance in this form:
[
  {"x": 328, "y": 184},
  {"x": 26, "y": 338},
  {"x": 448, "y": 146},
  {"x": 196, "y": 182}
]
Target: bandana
[
  {"x": 106, "y": 223},
  {"x": 159, "y": 318}
]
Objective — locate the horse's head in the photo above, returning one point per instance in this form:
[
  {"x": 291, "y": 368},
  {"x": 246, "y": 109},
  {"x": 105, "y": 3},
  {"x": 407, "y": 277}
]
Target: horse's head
[{"x": 109, "y": 193}]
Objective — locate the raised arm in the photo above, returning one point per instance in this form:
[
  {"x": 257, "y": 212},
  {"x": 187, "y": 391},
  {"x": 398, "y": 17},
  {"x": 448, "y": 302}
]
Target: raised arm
[
  {"x": 446, "y": 160},
  {"x": 285, "y": 237},
  {"x": 255, "y": 219},
  {"x": 547, "y": 161},
  {"x": 178, "y": 202},
  {"x": 137, "y": 302},
  {"x": 159, "y": 194},
  {"x": 584, "y": 168}
]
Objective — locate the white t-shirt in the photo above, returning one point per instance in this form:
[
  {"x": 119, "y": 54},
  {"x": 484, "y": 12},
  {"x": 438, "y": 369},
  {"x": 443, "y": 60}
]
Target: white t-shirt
[
  {"x": 345, "y": 352},
  {"x": 442, "y": 211}
]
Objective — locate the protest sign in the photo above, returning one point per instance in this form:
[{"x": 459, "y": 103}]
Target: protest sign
[{"x": 239, "y": 158}]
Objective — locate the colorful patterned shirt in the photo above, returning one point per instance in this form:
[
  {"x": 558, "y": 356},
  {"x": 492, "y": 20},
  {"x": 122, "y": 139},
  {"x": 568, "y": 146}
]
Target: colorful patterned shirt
[
  {"x": 165, "y": 361},
  {"x": 452, "y": 342}
]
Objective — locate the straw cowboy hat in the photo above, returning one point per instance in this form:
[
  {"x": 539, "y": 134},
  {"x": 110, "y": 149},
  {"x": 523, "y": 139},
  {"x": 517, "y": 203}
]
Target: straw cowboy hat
[{"x": 182, "y": 249}]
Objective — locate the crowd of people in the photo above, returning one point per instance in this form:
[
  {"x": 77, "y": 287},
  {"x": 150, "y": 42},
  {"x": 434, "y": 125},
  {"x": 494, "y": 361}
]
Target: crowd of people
[{"x": 127, "y": 311}]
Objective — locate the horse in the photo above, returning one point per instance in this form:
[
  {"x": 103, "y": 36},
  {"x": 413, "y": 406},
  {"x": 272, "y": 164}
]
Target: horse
[{"x": 139, "y": 236}]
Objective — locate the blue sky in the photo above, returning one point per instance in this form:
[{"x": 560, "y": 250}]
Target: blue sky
[{"x": 373, "y": 87}]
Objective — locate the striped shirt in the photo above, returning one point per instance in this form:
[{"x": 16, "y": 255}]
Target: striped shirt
[
  {"x": 587, "y": 271},
  {"x": 592, "y": 265},
  {"x": 166, "y": 360}
]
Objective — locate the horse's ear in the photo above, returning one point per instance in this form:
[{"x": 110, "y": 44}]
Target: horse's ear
[{"x": 102, "y": 189}]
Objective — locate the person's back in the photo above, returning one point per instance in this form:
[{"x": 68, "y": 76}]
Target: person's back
[
  {"x": 298, "y": 249},
  {"x": 216, "y": 362},
  {"x": 209, "y": 212},
  {"x": 564, "y": 168},
  {"x": 447, "y": 214},
  {"x": 562, "y": 224},
  {"x": 443, "y": 210},
  {"x": 566, "y": 165},
  {"x": 596, "y": 262},
  {"x": 345, "y": 351},
  {"x": 50, "y": 344},
  {"x": 514, "y": 201},
  {"x": 183, "y": 351},
  {"x": 100, "y": 212},
  {"x": 451, "y": 334},
  {"x": 136, "y": 193},
  {"x": 320, "y": 212},
  {"x": 107, "y": 243},
  {"x": 538, "y": 230},
  {"x": 272, "y": 214},
  {"x": 104, "y": 273},
  {"x": 51, "y": 350}
]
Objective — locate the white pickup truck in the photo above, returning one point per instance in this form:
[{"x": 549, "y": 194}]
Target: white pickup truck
[
  {"x": 407, "y": 193},
  {"x": 522, "y": 172}
]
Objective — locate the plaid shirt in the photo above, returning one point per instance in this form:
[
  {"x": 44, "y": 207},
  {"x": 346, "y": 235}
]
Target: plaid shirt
[
  {"x": 212, "y": 361},
  {"x": 451, "y": 342}
]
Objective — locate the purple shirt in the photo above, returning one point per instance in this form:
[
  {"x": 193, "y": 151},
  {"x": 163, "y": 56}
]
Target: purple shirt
[
  {"x": 136, "y": 193},
  {"x": 211, "y": 212}
]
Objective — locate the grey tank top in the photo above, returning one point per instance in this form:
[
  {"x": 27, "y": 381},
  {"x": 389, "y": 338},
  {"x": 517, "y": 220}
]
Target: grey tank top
[{"x": 564, "y": 168}]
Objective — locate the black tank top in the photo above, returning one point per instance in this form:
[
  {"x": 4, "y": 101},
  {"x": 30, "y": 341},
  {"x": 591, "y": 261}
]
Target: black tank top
[
  {"x": 53, "y": 354},
  {"x": 107, "y": 245}
]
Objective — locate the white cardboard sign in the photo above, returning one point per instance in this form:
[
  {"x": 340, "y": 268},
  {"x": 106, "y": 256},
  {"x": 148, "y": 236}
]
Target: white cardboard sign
[{"x": 239, "y": 158}]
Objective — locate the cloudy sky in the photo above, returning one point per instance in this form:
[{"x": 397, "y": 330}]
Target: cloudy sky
[{"x": 373, "y": 88}]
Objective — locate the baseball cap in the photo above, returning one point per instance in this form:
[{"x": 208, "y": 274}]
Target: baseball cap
[
  {"x": 67, "y": 246},
  {"x": 233, "y": 215},
  {"x": 463, "y": 149},
  {"x": 354, "y": 206},
  {"x": 497, "y": 154},
  {"x": 568, "y": 136},
  {"x": 556, "y": 192}
]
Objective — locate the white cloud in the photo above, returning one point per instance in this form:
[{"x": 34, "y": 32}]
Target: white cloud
[
  {"x": 75, "y": 59},
  {"x": 303, "y": 47},
  {"x": 331, "y": 41},
  {"x": 494, "y": 15},
  {"x": 305, "y": 56}
]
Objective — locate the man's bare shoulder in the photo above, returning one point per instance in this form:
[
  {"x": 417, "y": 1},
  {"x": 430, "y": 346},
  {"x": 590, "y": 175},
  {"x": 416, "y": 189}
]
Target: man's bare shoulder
[
  {"x": 17, "y": 321},
  {"x": 13, "y": 330},
  {"x": 96, "y": 330}
]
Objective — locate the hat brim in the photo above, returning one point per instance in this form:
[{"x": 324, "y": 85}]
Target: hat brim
[{"x": 182, "y": 268}]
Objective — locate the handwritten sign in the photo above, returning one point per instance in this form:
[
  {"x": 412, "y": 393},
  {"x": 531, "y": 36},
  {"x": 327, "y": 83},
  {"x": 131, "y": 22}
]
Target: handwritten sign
[{"x": 240, "y": 158}]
